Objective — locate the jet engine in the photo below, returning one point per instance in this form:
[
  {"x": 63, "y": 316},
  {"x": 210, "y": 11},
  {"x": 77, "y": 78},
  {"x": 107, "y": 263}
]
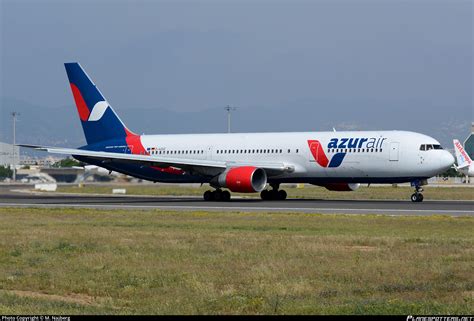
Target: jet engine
[{"x": 244, "y": 179}]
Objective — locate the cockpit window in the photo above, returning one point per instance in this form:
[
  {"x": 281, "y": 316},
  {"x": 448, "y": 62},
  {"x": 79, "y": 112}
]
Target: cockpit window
[{"x": 430, "y": 146}]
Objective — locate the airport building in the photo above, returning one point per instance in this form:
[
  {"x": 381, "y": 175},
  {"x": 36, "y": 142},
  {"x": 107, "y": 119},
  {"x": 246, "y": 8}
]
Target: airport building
[
  {"x": 469, "y": 143},
  {"x": 8, "y": 154},
  {"x": 39, "y": 161}
]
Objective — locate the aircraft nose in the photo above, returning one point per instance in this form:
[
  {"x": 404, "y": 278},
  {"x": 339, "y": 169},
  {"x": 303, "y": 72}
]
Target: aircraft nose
[{"x": 446, "y": 160}]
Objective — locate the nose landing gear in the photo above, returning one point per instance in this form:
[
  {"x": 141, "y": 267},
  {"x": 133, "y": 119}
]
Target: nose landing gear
[{"x": 417, "y": 196}]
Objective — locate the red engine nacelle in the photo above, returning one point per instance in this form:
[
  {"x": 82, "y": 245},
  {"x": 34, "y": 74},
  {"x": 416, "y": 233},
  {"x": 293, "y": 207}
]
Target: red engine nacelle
[
  {"x": 342, "y": 187},
  {"x": 245, "y": 179}
]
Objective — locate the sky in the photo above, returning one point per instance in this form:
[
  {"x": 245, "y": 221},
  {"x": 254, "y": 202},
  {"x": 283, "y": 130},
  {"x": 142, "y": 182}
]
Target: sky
[{"x": 412, "y": 57}]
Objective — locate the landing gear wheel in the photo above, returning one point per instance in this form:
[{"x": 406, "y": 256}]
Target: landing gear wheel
[
  {"x": 217, "y": 195},
  {"x": 274, "y": 194},
  {"x": 282, "y": 195},
  {"x": 207, "y": 196},
  {"x": 417, "y": 197},
  {"x": 225, "y": 196}
]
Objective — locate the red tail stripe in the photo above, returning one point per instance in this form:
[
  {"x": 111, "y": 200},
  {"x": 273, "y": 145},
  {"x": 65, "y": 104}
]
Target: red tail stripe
[
  {"x": 135, "y": 144},
  {"x": 80, "y": 103}
]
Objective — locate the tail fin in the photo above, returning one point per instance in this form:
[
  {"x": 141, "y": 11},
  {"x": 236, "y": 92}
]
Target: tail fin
[
  {"x": 462, "y": 157},
  {"x": 98, "y": 119}
]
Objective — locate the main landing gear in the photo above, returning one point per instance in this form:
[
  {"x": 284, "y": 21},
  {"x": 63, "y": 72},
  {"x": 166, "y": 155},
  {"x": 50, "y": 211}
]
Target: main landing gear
[
  {"x": 417, "y": 196},
  {"x": 218, "y": 195},
  {"x": 273, "y": 194}
]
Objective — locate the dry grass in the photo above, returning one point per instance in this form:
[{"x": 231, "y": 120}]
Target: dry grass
[
  {"x": 309, "y": 192},
  {"x": 58, "y": 261}
]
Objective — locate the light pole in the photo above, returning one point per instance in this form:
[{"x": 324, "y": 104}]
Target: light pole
[
  {"x": 229, "y": 109},
  {"x": 14, "y": 115}
]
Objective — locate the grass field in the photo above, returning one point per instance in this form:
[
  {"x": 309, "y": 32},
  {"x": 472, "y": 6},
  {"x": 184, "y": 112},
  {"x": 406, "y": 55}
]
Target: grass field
[
  {"x": 314, "y": 192},
  {"x": 67, "y": 261}
]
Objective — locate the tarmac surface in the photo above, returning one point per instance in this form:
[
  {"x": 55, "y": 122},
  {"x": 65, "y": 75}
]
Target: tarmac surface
[{"x": 11, "y": 196}]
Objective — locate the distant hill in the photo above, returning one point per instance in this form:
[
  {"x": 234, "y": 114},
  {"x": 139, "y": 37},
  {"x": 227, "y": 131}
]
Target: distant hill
[{"x": 59, "y": 126}]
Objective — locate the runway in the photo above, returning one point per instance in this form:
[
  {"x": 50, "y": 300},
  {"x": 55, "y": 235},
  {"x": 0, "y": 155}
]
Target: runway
[{"x": 9, "y": 198}]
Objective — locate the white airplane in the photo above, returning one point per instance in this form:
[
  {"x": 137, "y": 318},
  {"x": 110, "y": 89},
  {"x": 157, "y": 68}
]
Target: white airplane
[
  {"x": 465, "y": 165},
  {"x": 248, "y": 163}
]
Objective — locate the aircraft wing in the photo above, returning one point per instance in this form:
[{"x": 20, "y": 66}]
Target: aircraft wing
[{"x": 199, "y": 166}]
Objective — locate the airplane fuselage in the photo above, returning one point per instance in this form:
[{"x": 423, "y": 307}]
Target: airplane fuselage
[{"x": 314, "y": 157}]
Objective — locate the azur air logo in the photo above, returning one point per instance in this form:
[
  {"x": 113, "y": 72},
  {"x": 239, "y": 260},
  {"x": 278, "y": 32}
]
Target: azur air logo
[{"x": 317, "y": 150}]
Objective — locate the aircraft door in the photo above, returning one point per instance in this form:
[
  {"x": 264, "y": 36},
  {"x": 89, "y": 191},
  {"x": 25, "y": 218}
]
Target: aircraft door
[
  {"x": 394, "y": 150},
  {"x": 209, "y": 152}
]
